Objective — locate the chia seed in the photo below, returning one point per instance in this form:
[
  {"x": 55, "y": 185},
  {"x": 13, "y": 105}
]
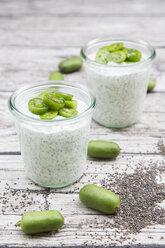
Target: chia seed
[
  {"x": 55, "y": 157},
  {"x": 120, "y": 95},
  {"x": 120, "y": 88},
  {"x": 54, "y": 151},
  {"x": 161, "y": 147},
  {"x": 140, "y": 195}
]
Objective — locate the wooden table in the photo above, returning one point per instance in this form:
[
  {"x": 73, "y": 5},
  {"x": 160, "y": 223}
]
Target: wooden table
[{"x": 34, "y": 37}]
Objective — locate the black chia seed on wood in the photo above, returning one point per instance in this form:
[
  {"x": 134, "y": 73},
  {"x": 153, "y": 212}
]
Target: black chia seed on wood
[
  {"x": 161, "y": 147},
  {"x": 140, "y": 194}
]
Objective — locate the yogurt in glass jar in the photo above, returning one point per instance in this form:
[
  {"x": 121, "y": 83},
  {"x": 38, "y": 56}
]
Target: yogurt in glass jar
[
  {"x": 54, "y": 151},
  {"x": 120, "y": 88}
]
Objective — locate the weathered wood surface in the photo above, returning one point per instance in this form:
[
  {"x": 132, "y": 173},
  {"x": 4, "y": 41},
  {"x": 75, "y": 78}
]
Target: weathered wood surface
[{"x": 34, "y": 37}]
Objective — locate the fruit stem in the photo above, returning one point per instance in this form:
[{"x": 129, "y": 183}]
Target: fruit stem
[
  {"x": 18, "y": 223},
  {"x": 118, "y": 208}
]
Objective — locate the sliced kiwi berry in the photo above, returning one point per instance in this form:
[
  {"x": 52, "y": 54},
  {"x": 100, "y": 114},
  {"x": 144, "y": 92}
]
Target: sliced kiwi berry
[
  {"x": 117, "y": 53},
  {"x": 71, "y": 104},
  {"x": 133, "y": 55},
  {"x": 117, "y": 57},
  {"x": 48, "y": 90},
  {"x": 50, "y": 102},
  {"x": 49, "y": 115},
  {"x": 64, "y": 95},
  {"x": 115, "y": 47},
  {"x": 101, "y": 56},
  {"x": 41, "y": 95},
  {"x": 37, "y": 106},
  {"x": 125, "y": 50},
  {"x": 68, "y": 112},
  {"x": 54, "y": 102}
]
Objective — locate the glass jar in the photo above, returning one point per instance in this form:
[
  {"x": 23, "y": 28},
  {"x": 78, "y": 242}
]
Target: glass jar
[
  {"x": 54, "y": 151},
  {"x": 120, "y": 89}
]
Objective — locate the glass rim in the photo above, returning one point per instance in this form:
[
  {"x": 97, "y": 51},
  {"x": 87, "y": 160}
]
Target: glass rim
[
  {"x": 14, "y": 110},
  {"x": 97, "y": 41}
]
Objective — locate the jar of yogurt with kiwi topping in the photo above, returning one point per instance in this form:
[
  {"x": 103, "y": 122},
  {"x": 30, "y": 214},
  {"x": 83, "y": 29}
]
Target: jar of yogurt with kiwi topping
[
  {"x": 53, "y": 147},
  {"x": 117, "y": 73}
]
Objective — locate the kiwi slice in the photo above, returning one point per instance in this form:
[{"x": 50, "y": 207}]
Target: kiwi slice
[
  {"x": 124, "y": 49},
  {"x": 49, "y": 115},
  {"x": 41, "y": 95},
  {"x": 53, "y": 102},
  {"x": 117, "y": 57},
  {"x": 133, "y": 55},
  {"x": 64, "y": 95},
  {"x": 101, "y": 56},
  {"x": 48, "y": 90},
  {"x": 115, "y": 47},
  {"x": 68, "y": 112},
  {"x": 37, "y": 106},
  {"x": 71, "y": 104},
  {"x": 128, "y": 62}
]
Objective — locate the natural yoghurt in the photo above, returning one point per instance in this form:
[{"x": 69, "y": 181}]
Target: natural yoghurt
[
  {"x": 54, "y": 151},
  {"x": 120, "y": 88}
]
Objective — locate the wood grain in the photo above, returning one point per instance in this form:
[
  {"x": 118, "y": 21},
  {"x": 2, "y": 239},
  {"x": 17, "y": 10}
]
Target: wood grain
[
  {"x": 35, "y": 35},
  {"x": 71, "y": 7},
  {"x": 51, "y": 31},
  {"x": 80, "y": 222}
]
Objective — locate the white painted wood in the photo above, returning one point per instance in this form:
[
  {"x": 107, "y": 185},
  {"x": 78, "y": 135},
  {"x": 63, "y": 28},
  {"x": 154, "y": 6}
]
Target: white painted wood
[
  {"x": 77, "y": 231},
  {"x": 79, "y": 220},
  {"x": 52, "y": 31},
  {"x": 34, "y": 37},
  {"x": 69, "y": 7}
]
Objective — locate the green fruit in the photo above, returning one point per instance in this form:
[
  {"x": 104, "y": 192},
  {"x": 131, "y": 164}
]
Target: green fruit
[
  {"x": 103, "y": 149},
  {"x": 68, "y": 112},
  {"x": 47, "y": 90},
  {"x": 117, "y": 57},
  {"x": 128, "y": 62},
  {"x": 63, "y": 95},
  {"x": 151, "y": 85},
  {"x": 115, "y": 47},
  {"x": 41, "y": 221},
  {"x": 102, "y": 55},
  {"x": 133, "y": 55},
  {"x": 56, "y": 76},
  {"x": 37, "y": 106},
  {"x": 56, "y": 93},
  {"x": 71, "y": 104},
  {"x": 70, "y": 65},
  {"x": 49, "y": 115},
  {"x": 41, "y": 95},
  {"x": 125, "y": 50},
  {"x": 100, "y": 199},
  {"x": 54, "y": 102}
]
